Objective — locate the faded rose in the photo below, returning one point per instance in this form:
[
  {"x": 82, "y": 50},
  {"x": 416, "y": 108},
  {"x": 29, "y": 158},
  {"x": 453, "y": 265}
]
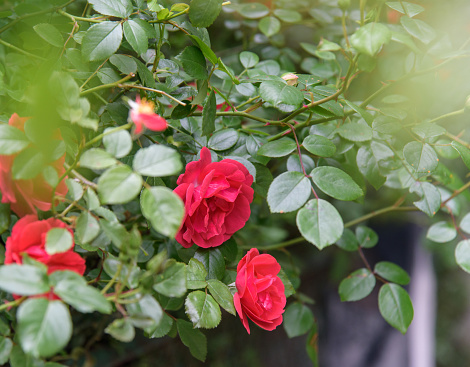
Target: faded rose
[
  {"x": 28, "y": 236},
  {"x": 24, "y": 196},
  {"x": 260, "y": 292},
  {"x": 217, "y": 197},
  {"x": 143, "y": 115}
]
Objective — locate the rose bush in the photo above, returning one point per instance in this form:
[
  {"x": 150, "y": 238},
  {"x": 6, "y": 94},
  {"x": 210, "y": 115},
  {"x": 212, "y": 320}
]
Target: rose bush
[
  {"x": 260, "y": 292},
  {"x": 28, "y": 237},
  {"x": 25, "y": 195},
  {"x": 217, "y": 197}
]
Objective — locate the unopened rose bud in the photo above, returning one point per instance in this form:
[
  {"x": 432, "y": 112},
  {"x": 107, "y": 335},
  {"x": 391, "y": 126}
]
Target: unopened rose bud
[
  {"x": 290, "y": 78},
  {"x": 344, "y": 4}
]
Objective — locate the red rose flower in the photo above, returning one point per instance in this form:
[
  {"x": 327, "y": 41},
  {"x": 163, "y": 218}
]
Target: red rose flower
[
  {"x": 217, "y": 197},
  {"x": 25, "y": 196},
  {"x": 142, "y": 114},
  {"x": 260, "y": 292},
  {"x": 28, "y": 236}
]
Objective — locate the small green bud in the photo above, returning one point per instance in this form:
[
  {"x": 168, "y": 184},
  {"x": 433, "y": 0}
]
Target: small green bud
[{"x": 344, "y": 4}]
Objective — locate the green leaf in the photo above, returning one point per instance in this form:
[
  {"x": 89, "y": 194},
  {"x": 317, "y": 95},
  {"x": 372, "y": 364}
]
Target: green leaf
[
  {"x": 115, "y": 8},
  {"x": 206, "y": 50},
  {"x": 196, "y": 274},
  {"x": 202, "y": 310},
  {"x": 463, "y": 151},
  {"x": 28, "y": 164},
  {"x": 442, "y": 232},
  {"x": 213, "y": 261},
  {"x": 202, "y": 13},
  {"x": 288, "y": 192},
  {"x": 58, "y": 240},
  {"x": 208, "y": 115},
  {"x": 193, "y": 339},
  {"x": 430, "y": 202},
  {"x": 355, "y": 132},
  {"x": 194, "y": 62},
  {"x": 269, "y": 26},
  {"x": 418, "y": 29},
  {"x": 253, "y": 10},
  {"x": 24, "y": 280},
  {"x": 157, "y": 161},
  {"x": 118, "y": 185},
  {"x": 125, "y": 65},
  {"x": 405, "y": 7},
  {"x": 222, "y": 295},
  {"x": 227, "y": 70},
  {"x": 12, "y": 140},
  {"x": 392, "y": 272},
  {"x": 163, "y": 328},
  {"x": 44, "y": 327},
  {"x": 395, "y": 306},
  {"x": 370, "y": 38},
  {"x": 422, "y": 157},
  {"x": 319, "y": 145},
  {"x": 336, "y": 183},
  {"x": 426, "y": 130},
  {"x": 73, "y": 289},
  {"x": 297, "y": 319},
  {"x": 119, "y": 143},
  {"x": 146, "y": 312},
  {"x": 122, "y": 330},
  {"x": 50, "y": 34},
  {"x": 288, "y": 287},
  {"x": 288, "y": 16},
  {"x": 96, "y": 158},
  {"x": 462, "y": 255},
  {"x": 248, "y": 59},
  {"x": 285, "y": 98},
  {"x": 278, "y": 148},
  {"x": 320, "y": 223},
  {"x": 135, "y": 34},
  {"x": 6, "y": 345},
  {"x": 164, "y": 209},
  {"x": 75, "y": 191},
  {"x": 223, "y": 139},
  {"x": 172, "y": 283},
  {"x": 348, "y": 241},
  {"x": 368, "y": 165},
  {"x": 357, "y": 285},
  {"x": 366, "y": 237},
  {"x": 87, "y": 228},
  {"x": 5, "y": 217},
  {"x": 101, "y": 41},
  {"x": 465, "y": 223}
]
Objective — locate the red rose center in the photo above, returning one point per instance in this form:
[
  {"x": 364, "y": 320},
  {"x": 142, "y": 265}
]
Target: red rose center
[{"x": 265, "y": 301}]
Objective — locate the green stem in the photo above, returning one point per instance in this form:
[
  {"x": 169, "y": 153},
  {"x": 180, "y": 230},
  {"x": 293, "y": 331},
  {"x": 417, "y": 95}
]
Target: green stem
[
  {"x": 106, "y": 86},
  {"x": 12, "y": 303},
  {"x": 247, "y": 102},
  {"x": 450, "y": 114},
  {"x": 113, "y": 280},
  {"x": 75, "y": 18},
  {"x": 13, "y": 47},
  {"x": 151, "y": 90},
  {"x": 242, "y": 114}
]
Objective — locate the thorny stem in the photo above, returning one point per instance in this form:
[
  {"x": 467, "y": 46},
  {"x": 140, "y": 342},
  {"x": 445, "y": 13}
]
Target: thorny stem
[
  {"x": 113, "y": 280},
  {"x": 151, "y": 90},
  {"x": 107, "y": 86}
]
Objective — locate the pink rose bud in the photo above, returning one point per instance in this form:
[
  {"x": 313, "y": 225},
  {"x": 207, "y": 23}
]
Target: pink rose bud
[
  {"x": 217, "y": 197},
  {"x": 142, "y": 114},
  {"x": 290, "y": 78},
  {"x": 260, "y": 293}
]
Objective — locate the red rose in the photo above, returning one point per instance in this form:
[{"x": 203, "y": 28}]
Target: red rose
[
  {"x": 217, "y": 197},
  {"x": 143, "y": 115},
  {"x": 28, "y": 236},
  {"x": 25, "y": 196},
  {"x": 260, "y": 292}
]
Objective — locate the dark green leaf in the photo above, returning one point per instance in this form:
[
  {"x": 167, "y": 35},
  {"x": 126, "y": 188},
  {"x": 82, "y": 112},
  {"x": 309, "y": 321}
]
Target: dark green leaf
[
  {"x": 392, "y": 272},
  {"x": 172, "y": 283},
  {"x": 348, "y": 241},
  {"x": 355, "y": 132},
  {"x": 357, "y": 285},
  {"x": 122, "y": 330},
  {"x": 125, "y": 65},
  {"x": 44, "y": 327},
  {"x": 430, "y": 202},
  {"x": 336, "y": 183},
  {"x": 96, "y": 158},
  {"x": 223, "y": 139},
  {"x": 288, "y": 192},
  {"x": 6, "y": 345},
  {"x": 248, "y": 59},
  {"x": 288, "y": 16},
  {"x": 269, "y": 26},
  {"x": 253, "y": 10},
  {"x": 58, "y": 240},
  {"x": 278, "y": 148},
  {"x": 205, "y": 48},
  {"x": 208, "y": 115},
  {"x": 369, "y": 167},
  {"x": 146, "y": 312},
  {"x": 320, "y": 223},
  {"x": 101, "y": 41},
  {"x": 25, "y": 280},
  {"x": 395, "y": 306},
  {"x": 194, "y": 62},
  {"x": 163, "y": 208},
  {"x": 202, "y": 310},
  {"x": 222, "y": 295},
  {"x": 366, "y": 237},
  {"x": 370, "y": 38},
  {"x": 50, "y": 34},
  {"x": 284, "y": 97},
  {"x": 213, "y": 261},
  {"x": 115, "y": 8},
  {"x": 75, "y": 192},
  {"x": 421, "y": 157},
  {"x": 193, "y": 339},
  {"x": 319, "y": 145},
  {"x": 135, "y": 34},
  {"x": 297, "y": 319},
  {"x": 202, "y": 13},
  {"x": 196, "y": 274}
]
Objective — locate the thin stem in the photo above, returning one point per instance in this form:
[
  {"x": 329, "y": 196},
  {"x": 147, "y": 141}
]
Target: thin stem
[
  {"x": 242, "y": 114},
  {"x": 113, "y": 279},
  {"x": 450, "y": 114},
  {"x": 13, "y": 47},
  {"x": 456, "y": 193},
  {"x": 12, "y": 303},
  {"x": 151, "y": 90},
  {"x": 458, "y": 140},
  {"x": 106, "y": 86},
  {"x": 94, "y": 73},
  {"x": 75, "y": 18},
  {"x": 247, "y": 102}
]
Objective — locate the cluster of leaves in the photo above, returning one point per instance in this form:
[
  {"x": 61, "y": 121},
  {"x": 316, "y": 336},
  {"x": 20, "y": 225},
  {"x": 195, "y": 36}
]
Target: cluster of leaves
[{"x": 310, "y": 145}]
